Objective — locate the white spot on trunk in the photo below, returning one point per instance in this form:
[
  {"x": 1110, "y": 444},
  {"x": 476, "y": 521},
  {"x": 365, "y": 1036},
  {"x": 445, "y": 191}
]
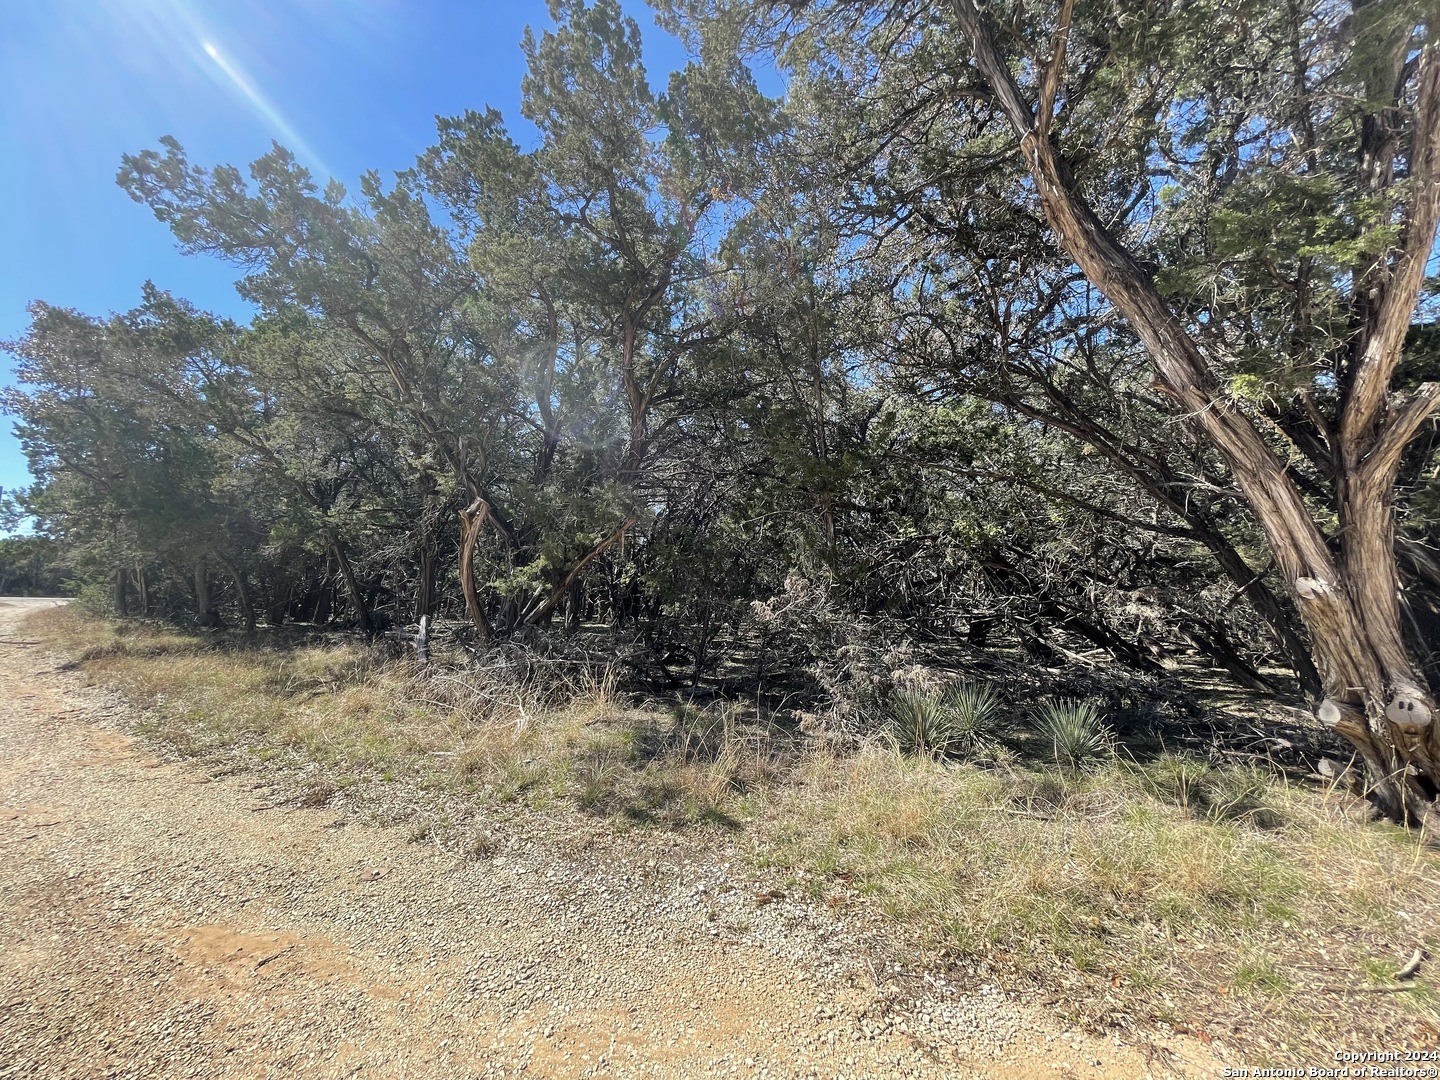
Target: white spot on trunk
[
  {"x": 1329, "y": 712},
  {"x": 1310, "y": 588},
  {"x": 1407, "y": 710}
]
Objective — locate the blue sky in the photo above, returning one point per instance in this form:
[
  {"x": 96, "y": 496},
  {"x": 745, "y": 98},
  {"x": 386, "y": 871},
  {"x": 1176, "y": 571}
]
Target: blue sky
[{"x": 350, "y": 85}]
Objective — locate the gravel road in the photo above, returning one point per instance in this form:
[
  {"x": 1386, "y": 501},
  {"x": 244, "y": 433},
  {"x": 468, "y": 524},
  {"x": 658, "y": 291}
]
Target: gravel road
[{"x": 158, "y": 921}]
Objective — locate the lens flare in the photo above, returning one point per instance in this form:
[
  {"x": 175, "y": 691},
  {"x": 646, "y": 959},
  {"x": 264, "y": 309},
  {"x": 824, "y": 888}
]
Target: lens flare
[{"x": 242, "y": 85}]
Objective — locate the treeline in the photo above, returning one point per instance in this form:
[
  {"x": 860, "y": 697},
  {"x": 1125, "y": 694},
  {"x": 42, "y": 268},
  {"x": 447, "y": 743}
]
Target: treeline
[{"x": 1092, "y": 333}]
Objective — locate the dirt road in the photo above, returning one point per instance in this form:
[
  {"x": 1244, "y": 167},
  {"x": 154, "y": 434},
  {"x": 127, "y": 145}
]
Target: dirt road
[{"x": 158, "y": 921}]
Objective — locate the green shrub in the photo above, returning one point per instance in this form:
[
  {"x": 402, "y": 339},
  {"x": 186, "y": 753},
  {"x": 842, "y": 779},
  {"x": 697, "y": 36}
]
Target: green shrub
[
  {"x": 961, "y": 721},
  {"x": 921, "y": 723},
  {"x": 975, "y": 714},
  {"x": 1075, "y": 730}
]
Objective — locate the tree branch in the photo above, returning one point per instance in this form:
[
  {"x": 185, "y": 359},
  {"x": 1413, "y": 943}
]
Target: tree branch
[
  {"x": 1370, "y": 381},
  {"x": 1050, "y": 81},
  {"x": 559, "y": 594},
  {"x": 1382, "y": 462},
  {"x": 1299, "y": 546}
]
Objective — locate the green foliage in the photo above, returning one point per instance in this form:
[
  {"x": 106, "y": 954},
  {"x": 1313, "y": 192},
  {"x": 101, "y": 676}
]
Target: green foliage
[
  {"x": 32, "y": 566},
  {"x": 960, "y": 721},
  {"x": 920, "y": 723},
  {"x": 1075, "y": 731},
  {"x": 976, "y": 711}
]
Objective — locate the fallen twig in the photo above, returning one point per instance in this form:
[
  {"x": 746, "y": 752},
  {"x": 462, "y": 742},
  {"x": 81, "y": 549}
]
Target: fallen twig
[
  {"x": 1411, "y": 966},
  {"x": 273, "y": 956}
]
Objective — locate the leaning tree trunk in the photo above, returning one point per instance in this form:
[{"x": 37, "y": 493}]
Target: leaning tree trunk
[
  {"x": 472, "y": 520},
  {"x": 242, "y": 592},
  {"x": 352, "y": 587},
  {"x": 1374, "y": 695}
]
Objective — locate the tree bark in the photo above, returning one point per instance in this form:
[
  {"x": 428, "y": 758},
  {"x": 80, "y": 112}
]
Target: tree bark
[
  {"x": 425, "y": 588},
  {"x": 472, "y": 520}
]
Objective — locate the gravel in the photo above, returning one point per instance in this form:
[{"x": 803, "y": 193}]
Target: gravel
[{"x": 159, "y": 921}]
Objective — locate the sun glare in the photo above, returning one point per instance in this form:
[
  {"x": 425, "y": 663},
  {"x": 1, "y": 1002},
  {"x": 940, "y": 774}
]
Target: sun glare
[
  {"x": 241, "y": 85},
  {"x": 160, "y": 33}
]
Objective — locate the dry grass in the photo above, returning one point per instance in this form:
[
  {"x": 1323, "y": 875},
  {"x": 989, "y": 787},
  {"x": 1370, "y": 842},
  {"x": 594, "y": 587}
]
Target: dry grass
[
  {"x": 509, "y": 733},
  {"x": 1260, "y": 911},
  {"x": 1221, "y": 900}
]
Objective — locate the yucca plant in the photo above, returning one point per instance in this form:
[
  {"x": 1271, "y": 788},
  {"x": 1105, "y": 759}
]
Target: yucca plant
[
  {"x": 1076, "y": 730},
  {"x": 975, "y": 712},
  {"x": 921, "y": 723}
]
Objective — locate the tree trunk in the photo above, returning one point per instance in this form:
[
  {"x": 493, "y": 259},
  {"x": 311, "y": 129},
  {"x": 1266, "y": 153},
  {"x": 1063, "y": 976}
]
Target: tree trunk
[
  {"x": 121, "y": 593},
  {"x": 425, "y": 588},
  {"x": 279, "y": 602},
  {"x": 702, "y": 647},
  {"x": 1374, "y": 698},
  {"x": 472, "y": 520},
  {"x": 324, "y": 605},
  {"x": 352, "y": 587},
  {"x": 202, "y": 588},
  {"x": 575, "y": 606},
  {"x": 242, "y": 592},
  {"x": 979, "y": 630}
]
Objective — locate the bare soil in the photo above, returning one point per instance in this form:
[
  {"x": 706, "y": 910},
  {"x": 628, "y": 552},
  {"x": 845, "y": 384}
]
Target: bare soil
[{"x": 157, "y": 920}]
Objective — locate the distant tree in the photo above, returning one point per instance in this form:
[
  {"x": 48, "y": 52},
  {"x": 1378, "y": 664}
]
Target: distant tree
[
  {"x": 123, "y": 475},
  {"x": 31, "y": 566}
]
